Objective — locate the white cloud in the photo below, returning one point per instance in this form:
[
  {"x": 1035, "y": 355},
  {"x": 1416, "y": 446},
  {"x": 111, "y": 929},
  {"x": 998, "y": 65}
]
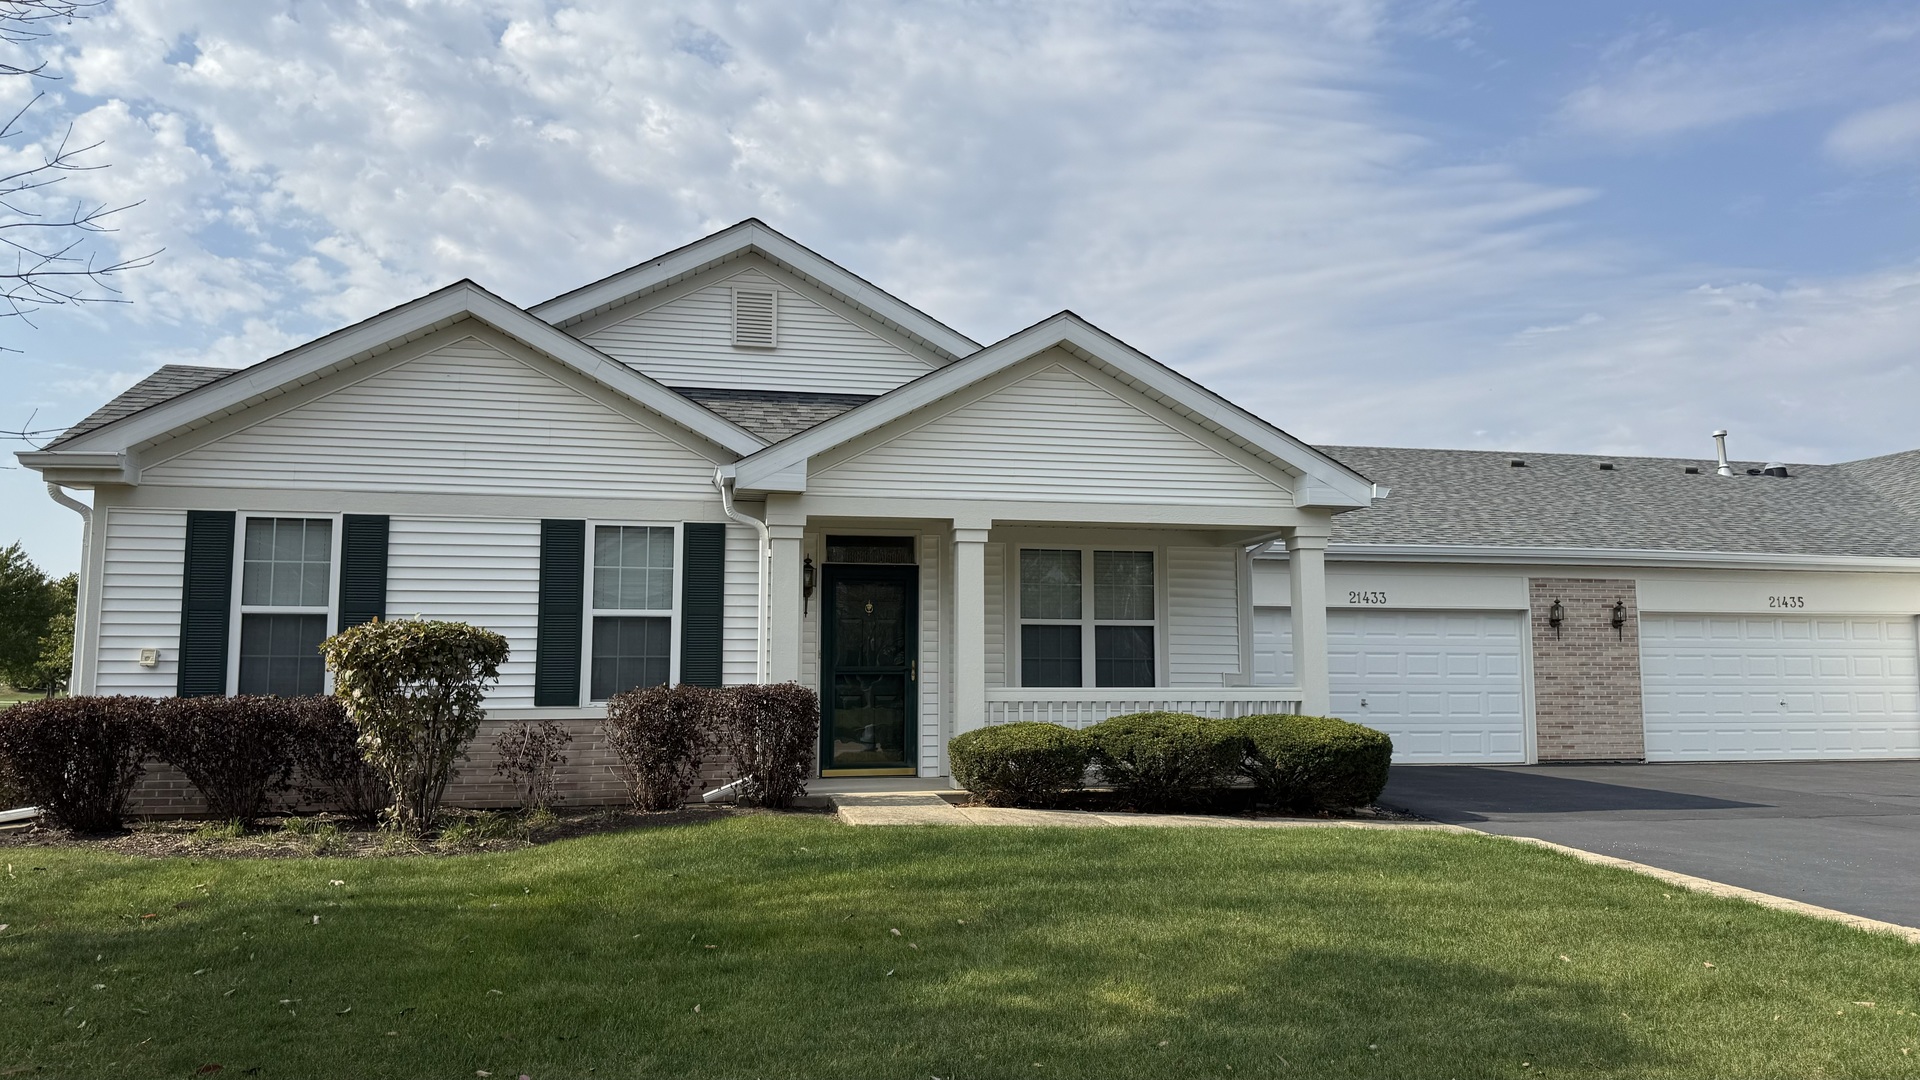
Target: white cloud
[
  {"x": 1878, "y": 136},
  {"x": 1658, "y": 83}
]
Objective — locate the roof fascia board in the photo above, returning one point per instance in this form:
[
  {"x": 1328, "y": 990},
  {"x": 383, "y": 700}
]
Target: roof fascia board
[
  {"x": 81, "y": 468},
  {"x": 1633, "y": 557},
  {"x": 729, "y": 268},
  {"x": 754, "y": 236},
  {"x": 1330, "y": 484},
  {"x": 432, "y": 312}
]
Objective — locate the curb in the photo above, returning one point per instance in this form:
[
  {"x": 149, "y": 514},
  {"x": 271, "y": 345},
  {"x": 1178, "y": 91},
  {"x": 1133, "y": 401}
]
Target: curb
[{"x": 1721, "y": 889}]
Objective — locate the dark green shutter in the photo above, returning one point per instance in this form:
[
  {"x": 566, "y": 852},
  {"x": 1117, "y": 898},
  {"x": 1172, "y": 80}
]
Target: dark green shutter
[
  {"x": 556, "y": 661},
  {"x": 703, "y": 573},
  {"x": 363, "y": 569},
  {"x": 206, "y": 604}
]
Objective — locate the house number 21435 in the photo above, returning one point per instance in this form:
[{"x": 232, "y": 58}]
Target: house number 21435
[
  {"x": 1364, "y": 596},
  {"x": 1786, "y": 601}
]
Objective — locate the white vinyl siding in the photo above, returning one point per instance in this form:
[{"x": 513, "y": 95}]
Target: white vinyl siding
[
  {"x": 1051, "y": 436},
  {"x": 1758, "y": 687},
  {"x": 482, "y": 572},
  {"x": 689, "y": 342},
  {"x": 740, "y": 625},
  {"x": 1448, "y": 686},
  {"x": 463, "y": 419},
  {"x": 996, "y": 611},
  {"x": 1203, "y": 616},
  {"x": 928, "y": 723},
  {"x": 141, "y": 579}
]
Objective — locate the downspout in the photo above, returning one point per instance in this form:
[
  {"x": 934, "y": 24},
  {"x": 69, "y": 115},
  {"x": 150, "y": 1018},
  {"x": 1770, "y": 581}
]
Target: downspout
[
  {"x": 81, "y": 594},
  {"x": 762, "y": 650}
]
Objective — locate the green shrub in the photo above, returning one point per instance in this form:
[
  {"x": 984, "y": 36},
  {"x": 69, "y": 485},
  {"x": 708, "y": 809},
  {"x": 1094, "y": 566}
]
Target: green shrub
[
  {"x": 660, "y": 733},
  {"x": 1164, "y": 760},
  {"x": 414, "y": 688},
  {"x": 77, "y": 758},
  {"x": 1025, "y": 763},
  {"x": 238, "y": 752},
  {"x": 1315, "y": 762},
  {"x": 772, "y": 733}
]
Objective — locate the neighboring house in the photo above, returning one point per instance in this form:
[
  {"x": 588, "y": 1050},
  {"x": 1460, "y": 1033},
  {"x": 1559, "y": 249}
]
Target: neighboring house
[{"x": 739, "y": 462}]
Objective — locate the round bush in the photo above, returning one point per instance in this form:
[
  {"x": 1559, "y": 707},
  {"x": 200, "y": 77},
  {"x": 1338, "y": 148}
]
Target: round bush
[
  {"x": 1165, "y": 760},
  {"x": 1021, "y": 764},
  {"x": 77, "y": 758},
  {"x": 1315, "y": 762}
]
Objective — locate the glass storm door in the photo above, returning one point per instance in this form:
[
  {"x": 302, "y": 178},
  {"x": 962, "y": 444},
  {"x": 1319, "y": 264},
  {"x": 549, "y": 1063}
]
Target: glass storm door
[{"x": 869, "y": 665}]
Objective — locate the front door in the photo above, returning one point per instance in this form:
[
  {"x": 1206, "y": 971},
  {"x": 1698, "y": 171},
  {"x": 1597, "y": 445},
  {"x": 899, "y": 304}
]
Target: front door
[{"x": 868, "y": 669}]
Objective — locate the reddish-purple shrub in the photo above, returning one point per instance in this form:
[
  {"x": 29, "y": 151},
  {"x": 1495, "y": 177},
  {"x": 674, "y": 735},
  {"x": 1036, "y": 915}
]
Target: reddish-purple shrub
[
  {"x": 328, "y": 769},
  {"x": 772, "y": 732},
  {"x": 660, "y": 733},
  {"x": 530, "y": 756},
  {"x": 77, "y": 758}
]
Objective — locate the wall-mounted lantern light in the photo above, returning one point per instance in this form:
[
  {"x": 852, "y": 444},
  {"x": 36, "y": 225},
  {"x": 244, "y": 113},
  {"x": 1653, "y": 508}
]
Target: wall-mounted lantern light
[
  {"x": 1556, "y": 615},
  {"x": 806, "y": 584},
  {"x": 1619, "y": 618}
]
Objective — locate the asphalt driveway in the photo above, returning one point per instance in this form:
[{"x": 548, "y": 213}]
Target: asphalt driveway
[{"x": 1840, "y": 834}]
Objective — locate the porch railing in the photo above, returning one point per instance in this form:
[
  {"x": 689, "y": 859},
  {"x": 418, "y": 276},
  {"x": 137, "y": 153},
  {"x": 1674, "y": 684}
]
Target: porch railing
[{"x": 1077, "y": 708}]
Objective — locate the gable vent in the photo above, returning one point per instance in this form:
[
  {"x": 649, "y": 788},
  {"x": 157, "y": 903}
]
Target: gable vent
[{"x": 756, "y": 318}]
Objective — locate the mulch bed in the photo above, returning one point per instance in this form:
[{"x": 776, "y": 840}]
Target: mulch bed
[{"x": 330, "y": 836}]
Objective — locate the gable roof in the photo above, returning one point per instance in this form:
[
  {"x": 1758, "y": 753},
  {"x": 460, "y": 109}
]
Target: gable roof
[
  {"x": 773, "y": 414},
  {"x": 1477, "y": 498},
  {"x": 1327, "y": 482},
  {"x": 168, "y": 383},
  {"x": 754, "y": 236},
  {"x": 98, "y": 449}
]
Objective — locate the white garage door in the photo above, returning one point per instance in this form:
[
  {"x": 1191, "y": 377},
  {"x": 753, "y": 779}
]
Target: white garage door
[
  {"x": 1731, "y": 687},
  {"x": 1446, "y": 685}
]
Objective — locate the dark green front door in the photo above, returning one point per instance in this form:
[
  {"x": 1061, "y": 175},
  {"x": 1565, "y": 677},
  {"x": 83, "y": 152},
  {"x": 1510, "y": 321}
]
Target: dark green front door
[{"x": 869, "y": 657}]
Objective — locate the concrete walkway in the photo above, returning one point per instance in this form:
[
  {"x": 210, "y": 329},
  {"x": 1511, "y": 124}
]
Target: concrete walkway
[{"x": 927, "y": 808}]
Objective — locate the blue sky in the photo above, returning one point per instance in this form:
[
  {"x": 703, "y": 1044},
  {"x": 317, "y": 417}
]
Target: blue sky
[{"x": 1549, "y": 227}]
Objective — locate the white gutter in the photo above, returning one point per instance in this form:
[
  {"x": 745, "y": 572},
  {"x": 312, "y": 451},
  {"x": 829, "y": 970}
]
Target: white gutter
[
  {"x": 1516, "y": 555},
  {"x": 763, "y": 646},
  {"x": 723, "y": 791},
  {"x": 80, "y": 628}
]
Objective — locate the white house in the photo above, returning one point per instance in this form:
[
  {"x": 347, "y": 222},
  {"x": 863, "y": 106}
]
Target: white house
[{"x": 739, "y": 462}]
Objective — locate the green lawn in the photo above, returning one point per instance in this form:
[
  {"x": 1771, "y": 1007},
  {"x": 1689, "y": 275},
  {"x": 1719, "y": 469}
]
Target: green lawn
[{"x": 764, "y": 946}]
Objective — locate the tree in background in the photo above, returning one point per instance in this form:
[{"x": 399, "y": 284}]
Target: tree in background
[
  {"x": 36, "y": 624},
  {"x": 49, "y": 239}
]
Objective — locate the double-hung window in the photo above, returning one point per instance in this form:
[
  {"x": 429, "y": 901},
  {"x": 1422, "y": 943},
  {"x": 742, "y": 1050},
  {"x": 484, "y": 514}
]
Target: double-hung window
[
  {"x": 286, "y": 589},
  {"x": 1072, "y": 635},
  {"x": 631, "y": 616}
]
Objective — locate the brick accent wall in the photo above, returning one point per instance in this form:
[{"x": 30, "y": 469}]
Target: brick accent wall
[
  {"x": 587, "y": 778},
  {"x": 1586, "y": 677}
]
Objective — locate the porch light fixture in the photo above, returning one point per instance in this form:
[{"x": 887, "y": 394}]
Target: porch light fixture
[
  {"x": 806, "y": 584},
  {"x": 1619, "y": 618},
  {"x": 1556, "y": 615}
]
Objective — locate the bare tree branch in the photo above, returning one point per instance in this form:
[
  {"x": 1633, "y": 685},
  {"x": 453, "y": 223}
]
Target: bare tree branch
[{"x": 51, "y": 265}]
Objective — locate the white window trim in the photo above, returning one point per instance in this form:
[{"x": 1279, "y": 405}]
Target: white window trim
[
  {"x": 240, "y": 608},
  {"x": 1016, "y": 676},
  {"x": 588, "y": 611}
]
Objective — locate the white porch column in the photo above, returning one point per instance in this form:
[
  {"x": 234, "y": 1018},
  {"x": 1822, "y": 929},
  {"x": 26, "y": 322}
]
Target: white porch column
[
  {"x": 1307, "y": 575},
  {"x": 969, "y": 629},
  {"x": 783, "y": 603}
]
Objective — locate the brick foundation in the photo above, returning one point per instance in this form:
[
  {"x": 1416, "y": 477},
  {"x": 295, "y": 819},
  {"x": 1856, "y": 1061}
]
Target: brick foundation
[
  {"x": 1586, "y": 676},
  {"x": 587, "y": 779}
]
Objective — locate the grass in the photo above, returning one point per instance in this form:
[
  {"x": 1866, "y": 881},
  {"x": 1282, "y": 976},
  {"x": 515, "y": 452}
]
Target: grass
[{"x": 766, "y": 946}]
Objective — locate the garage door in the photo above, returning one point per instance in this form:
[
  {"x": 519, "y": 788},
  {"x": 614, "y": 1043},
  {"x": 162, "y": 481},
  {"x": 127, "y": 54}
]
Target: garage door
[
  {"x": 1446, "y": 685},
  {"x": 1800, "y": 687}
]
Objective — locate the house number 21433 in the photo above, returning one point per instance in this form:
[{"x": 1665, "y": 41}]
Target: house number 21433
[{"x": 1364, "y": 596}]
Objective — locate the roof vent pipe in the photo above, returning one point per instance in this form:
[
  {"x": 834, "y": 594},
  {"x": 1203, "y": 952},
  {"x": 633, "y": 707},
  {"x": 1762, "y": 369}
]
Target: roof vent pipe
[{"x": 1720, "y": 447}]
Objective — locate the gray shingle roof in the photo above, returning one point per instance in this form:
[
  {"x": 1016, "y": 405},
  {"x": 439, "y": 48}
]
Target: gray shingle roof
[
  {"x": 170, "y": 381},
  {"x": 772, "y": 414},
  {"x": 1475, "y": 497}
]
